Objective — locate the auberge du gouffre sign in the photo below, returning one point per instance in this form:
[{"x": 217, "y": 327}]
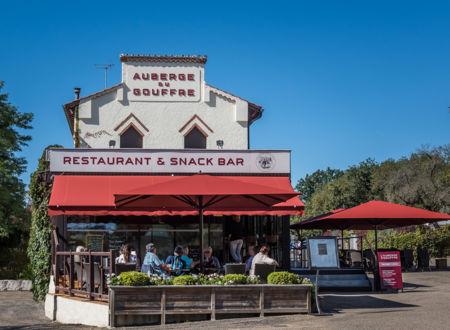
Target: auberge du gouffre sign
[{"x": 169, "y": 161}]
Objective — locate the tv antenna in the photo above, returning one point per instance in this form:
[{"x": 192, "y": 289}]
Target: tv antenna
[{"x": 105, "y": 67}]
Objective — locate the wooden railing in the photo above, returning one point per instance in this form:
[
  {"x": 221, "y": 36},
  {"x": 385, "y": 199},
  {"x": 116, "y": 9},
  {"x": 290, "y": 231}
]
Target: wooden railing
[{"x": 83, "y": 273}]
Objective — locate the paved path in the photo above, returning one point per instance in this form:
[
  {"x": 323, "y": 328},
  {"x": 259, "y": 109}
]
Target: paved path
[{"x": 424, "y": 304}]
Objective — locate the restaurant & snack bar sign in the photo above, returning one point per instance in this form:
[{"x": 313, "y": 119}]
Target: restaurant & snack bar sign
[{"x": 169, "y": 161}]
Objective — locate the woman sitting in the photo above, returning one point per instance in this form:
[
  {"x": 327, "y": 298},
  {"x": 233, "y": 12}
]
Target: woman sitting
[
  {"x": 262, "y": 258},
  {"x": 127, "y": 257}
]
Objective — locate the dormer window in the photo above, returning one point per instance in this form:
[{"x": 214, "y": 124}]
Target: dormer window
[
  {"x": 195, "y": 139},
  {"x": 131, "y": 138}
]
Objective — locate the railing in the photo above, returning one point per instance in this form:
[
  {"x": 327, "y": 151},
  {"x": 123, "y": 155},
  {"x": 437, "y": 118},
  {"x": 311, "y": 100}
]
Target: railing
[{"x": 83, "y": 273}]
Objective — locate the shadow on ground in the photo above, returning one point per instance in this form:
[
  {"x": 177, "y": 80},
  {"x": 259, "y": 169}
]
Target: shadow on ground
[{"x": 338, "y": 303}]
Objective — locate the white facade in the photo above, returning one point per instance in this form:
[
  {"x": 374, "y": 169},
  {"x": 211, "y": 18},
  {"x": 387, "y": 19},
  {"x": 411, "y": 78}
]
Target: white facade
[{"x": 163, "y": 98}]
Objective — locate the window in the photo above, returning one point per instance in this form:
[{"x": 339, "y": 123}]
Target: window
[
  {"x": 195, "y": 139},
  {"x": 131, "y": 138}
]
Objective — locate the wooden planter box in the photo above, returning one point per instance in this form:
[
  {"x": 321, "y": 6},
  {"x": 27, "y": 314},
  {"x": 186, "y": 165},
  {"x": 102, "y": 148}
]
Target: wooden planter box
[{"x": 208, "y": 299}]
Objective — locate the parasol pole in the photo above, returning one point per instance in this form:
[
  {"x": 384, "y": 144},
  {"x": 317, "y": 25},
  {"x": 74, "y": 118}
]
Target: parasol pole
[
  {"x": 376, "y": 270},
  {"x": 376, "y": 239},
  {"x": 200, "y": 213}
]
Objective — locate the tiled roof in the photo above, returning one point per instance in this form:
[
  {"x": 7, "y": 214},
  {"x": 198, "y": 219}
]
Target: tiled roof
[{"x": 163, "y": 58}]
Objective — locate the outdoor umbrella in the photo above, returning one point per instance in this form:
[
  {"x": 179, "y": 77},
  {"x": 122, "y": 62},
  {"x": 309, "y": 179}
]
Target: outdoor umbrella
[
  {"x": 202, "y": 192},
  {"x": 374, "y": 215}
]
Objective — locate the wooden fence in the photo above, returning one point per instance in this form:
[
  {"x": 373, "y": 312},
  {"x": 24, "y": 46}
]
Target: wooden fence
[
  {"x": 83, "y": 273},
  {"x": 208, "y": 299}
]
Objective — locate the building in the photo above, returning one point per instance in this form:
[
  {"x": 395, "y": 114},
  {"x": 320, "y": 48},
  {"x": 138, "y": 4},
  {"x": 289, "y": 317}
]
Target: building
[
  {"x": 163, "y": 157},
  {"x": 163, "y": 102}
]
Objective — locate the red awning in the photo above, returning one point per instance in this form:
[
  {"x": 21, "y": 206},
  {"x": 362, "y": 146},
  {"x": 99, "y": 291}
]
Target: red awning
[
  {"x": 94, "y": 195},
  {"x": 99, "y": 195}
]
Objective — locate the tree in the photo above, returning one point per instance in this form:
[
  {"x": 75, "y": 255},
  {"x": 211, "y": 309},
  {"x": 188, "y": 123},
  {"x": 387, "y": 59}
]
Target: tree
[
  {"x": 422, "y": 180},
  {"x": 314, "y": 182},
  {"x": 12, "y": 189}
]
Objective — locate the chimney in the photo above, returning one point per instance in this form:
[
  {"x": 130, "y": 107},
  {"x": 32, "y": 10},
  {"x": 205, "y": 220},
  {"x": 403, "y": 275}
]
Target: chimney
[{"x": 77, "y": 91}]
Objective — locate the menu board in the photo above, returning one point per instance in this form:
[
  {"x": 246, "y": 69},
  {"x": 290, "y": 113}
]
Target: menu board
[
  {"x": 94, "y": 242},
  {"x": 390, "y": 270},
  {"x": 194, "y": 253}
]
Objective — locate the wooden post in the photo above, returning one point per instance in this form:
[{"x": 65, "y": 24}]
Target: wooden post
[
  {"x": 163, "y": 307},
  {"x": 261, "y": 301},
  {"x": 56, "y": 274},
  {"x": 213, "y": 304},
  {"x": 308, "y": 300},
  {"x": 112, "y": 318},
  {"x": 91, "y": 276},
  {"x": 71, "y": 273},
  {"x": 112, "y": 264}
]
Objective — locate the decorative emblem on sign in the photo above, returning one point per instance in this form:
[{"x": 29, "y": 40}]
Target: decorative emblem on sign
[{"x": 265, "y": 162}]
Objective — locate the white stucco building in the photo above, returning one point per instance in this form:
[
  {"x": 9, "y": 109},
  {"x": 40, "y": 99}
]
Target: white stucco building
[{"x": 163, "y": 102}]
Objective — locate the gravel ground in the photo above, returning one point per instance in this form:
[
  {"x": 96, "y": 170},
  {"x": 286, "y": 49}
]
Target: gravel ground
[{"x": 425, "y": 303}]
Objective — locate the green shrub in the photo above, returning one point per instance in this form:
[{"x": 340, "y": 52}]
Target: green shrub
[
  {"x": 211, "y": 279},
  {"x": 160, "y": 280},
  {"x": 283, "y": 278},
  {"x": 185, "y": 280},
  {"x": 134, "y": 279},
  {"x": 234, "y": 279}
]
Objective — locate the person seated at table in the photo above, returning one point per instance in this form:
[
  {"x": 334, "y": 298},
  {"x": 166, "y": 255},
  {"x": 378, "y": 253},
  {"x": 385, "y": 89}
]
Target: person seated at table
[
  {"x": 127, "y": 257},
  {"x": 210, "y": 263},
  {"x": 120, "y": 254},
  {"x": 251, "y": 255},
  {"x": 152, "y": 264},
  {"x": 262, "y": 257},
  {"x": 175, "y": 261},
  {"x": 188, "y": 261}
]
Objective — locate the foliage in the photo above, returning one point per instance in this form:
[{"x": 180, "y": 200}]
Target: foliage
[
  {"x": 13, "y": 259},
  {"x": 283, "y": 278},
  {"x": 421, "y": 180},
  {"x": 314, "y": 182},
  {"x": 437, "y": 241},
  {"x": 160, "y": 280},
  {"x": 232, "y": 279},
  {"x": 185, "y": 280},
  {"x": 12, "y": 189},
  {"x": 40, "y": 233},
  {"x": 211, "y": 279},
  {"x": 134, "y": 278}
]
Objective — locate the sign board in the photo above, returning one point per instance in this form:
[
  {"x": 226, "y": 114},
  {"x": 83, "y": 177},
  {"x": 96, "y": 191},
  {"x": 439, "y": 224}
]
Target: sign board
[
  {"x": 164, "y": 83},
  {"x": 169, "y": 161},
  {"x": 323, "y": 252},
  {"x": 390, "y": 270},
  {"x": 94, "y": 242}
]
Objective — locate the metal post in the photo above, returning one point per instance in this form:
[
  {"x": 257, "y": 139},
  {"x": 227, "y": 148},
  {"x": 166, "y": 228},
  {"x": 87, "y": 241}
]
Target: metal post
[
  {"x": 200, "y": 211},
  {"x": 376, "y": 271}
]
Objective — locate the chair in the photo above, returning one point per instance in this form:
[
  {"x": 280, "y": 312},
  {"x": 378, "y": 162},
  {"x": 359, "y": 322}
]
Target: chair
[
  {"x": 121, "y": 268},
  {"x": 355, "y": 259},
  {"x": 263, "y": 270},
  {"x": 423, "y": 259},
  {"x": 234, "y": 269},
  {"x": 409, "y": 258}
]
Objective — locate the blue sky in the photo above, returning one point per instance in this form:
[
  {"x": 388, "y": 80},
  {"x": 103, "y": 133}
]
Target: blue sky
[{"x": 340, "y": 81}]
